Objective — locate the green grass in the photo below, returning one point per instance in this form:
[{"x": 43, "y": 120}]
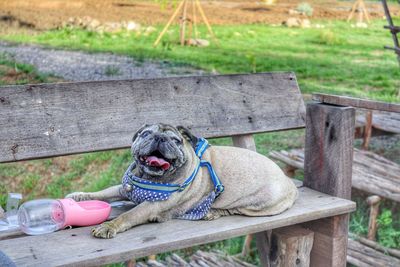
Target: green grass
[
  {"x": 336, "y": 59},
  {"x": 12, "y": 72}
]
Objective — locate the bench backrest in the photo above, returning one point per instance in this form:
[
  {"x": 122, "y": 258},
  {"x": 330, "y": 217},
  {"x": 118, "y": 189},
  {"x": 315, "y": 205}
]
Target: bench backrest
[{"x": 45, "y": 120}]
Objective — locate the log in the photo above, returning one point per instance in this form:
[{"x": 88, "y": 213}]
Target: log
[
  {"x": 372, "y": 244},
  {"x": 291, "y": 246},
  {"x": 388, "y": 122},
  {"x": 383, "y": 175},
  {"x": 373, "y": 203},
  {"x": 369, "y": 256}
]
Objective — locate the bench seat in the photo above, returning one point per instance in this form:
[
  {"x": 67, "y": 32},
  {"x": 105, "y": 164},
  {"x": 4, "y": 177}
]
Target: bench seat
[{"x": 76, "y": 247}]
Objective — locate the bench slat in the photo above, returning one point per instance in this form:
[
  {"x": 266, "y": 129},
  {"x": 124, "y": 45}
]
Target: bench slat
[
  {"x": 66, "y": 118},
  {"x": 76, "y": 247}
]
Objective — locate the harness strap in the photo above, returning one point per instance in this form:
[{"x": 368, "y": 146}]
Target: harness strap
[{"x": 201, "y": 147}]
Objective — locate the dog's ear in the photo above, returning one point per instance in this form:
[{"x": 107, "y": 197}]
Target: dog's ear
[
  {"x": 188, "y": 136},
  {"x": 139, "y": 131}
]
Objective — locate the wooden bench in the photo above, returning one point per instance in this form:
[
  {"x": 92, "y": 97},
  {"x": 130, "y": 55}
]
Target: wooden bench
[
  {"x": 49, "y": 120},
  {"x": 372, "y": 174}
]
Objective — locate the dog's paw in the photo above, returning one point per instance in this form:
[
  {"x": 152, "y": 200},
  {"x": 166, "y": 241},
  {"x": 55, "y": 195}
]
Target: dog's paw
[
  {"x": 211, "y": 215},
  {"x": 80, "y": 196},
  {"x": 106, "y": 230}
]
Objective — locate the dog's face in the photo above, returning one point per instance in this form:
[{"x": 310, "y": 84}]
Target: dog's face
[{"x": 160, "y": 150}]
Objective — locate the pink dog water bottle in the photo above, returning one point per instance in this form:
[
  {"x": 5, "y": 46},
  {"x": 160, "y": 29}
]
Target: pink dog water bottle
[{"x": 48, "y": 215}]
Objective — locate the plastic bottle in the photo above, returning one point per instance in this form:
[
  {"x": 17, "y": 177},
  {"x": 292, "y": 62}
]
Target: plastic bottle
[{"x": 48, "y": 215}]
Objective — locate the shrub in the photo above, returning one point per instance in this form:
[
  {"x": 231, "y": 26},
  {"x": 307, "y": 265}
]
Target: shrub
[
  {"x": 328, "y": 37},
  {"x": 305, "y": 8}
]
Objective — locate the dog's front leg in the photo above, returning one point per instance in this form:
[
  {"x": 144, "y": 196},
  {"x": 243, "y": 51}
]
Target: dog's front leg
[
  {"x": 110, "y": 194},
  {"x": 145, "y": 212}
]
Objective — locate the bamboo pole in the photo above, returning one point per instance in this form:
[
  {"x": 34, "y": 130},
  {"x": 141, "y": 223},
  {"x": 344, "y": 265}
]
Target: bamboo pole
[
  {"x": 183, "y": 22},
  {"x": 196, "y": 33},
  {"x": 169, "y": 23},
  {"x": 206, "y": 21}
]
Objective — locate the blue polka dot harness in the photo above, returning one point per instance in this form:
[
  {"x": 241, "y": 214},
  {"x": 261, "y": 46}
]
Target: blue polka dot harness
[{"x": 139, "y": 190}]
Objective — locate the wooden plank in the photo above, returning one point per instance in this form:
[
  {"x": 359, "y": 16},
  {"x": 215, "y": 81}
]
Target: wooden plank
[
  {"x": 76, "y": 247},
  {"x": 356, "y": 102},
  {"x": 65, "y": 118},
  {"x": 328, "y": 169}
]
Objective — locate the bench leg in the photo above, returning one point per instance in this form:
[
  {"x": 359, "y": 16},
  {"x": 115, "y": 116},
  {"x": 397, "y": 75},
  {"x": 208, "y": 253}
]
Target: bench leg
[
  {"x": 330, "y": 241},
  {"x": 285, "y": 247},
  {"x": 263, "y": 242},
  {"x": 328, "y": 169}
]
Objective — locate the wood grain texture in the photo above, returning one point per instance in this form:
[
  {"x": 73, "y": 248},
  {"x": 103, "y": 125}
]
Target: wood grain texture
[
  {"x": 388, "y": 122},
  {"x": 291, "y": 246},
  {"x": 328, "y": 169},
  {"x": 372, "y": 173},
  {"x": 373, "y": 203},
  {"x": 330, "y": 241},
  {"x": 76, "y": 247},
  {"x": 370, "y": 257},
  {"x": 372, "y": 244},
  {"x": 65, "y": 118},
  {"x": 329, "y": 149},
  {"x": 356, "y": 102}
]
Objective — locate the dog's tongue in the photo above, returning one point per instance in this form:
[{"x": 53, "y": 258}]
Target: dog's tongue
[{"x": 158, "y": 162}]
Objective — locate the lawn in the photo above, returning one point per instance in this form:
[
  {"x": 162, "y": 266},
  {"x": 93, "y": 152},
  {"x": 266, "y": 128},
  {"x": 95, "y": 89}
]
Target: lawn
[{"x": 334, "y": 59}]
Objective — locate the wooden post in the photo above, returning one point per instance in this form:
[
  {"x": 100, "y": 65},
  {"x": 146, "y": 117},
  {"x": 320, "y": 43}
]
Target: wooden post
[
  {"x": 373, "y": 203},
  {"x": 291, "y": 246},
  {"x": 367, "y": 130},
  {"x": 328, "y": 169}
]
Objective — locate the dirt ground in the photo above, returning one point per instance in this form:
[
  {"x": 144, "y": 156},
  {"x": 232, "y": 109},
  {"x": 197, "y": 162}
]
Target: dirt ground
[{"x": 50, "y": 14}]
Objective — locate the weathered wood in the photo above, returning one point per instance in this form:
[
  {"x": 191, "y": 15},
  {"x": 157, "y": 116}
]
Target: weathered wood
[
  {"x": 373, "y": 203},
  {"x": 328, "y": 169},
  {"x": 367, "y": 131},
  {"x": 370, "y": 257},
  {"x": 264, "y": 247},
  {"x": 388, "y": 122},
  {"x": 65, "y": 118},
  {"x": 372, "y": 244},
  {"x": 329, "y": 149},
  {"x": 291, "y": 246},
  {"x": 356, "y": 102},
  {"x": 77, "y": 247},
  {"x": 371, "y": 173},
  {"x": 330, "y": 241}
]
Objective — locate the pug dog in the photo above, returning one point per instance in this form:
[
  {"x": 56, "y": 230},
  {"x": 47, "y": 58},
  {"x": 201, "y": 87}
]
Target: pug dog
[{"x": 253, "y": 184}]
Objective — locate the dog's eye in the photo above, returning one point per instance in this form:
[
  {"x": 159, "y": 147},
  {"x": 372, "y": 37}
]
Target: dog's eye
[
  {"x": 145, "y": 133},
  {"x": 177, "y": 141}
]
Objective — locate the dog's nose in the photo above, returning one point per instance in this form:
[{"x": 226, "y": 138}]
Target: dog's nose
[{"x": 159, "y": 138}]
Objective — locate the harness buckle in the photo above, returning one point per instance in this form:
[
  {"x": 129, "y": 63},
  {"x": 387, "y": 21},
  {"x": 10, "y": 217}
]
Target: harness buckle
[{"x": 219, "y": 189}]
